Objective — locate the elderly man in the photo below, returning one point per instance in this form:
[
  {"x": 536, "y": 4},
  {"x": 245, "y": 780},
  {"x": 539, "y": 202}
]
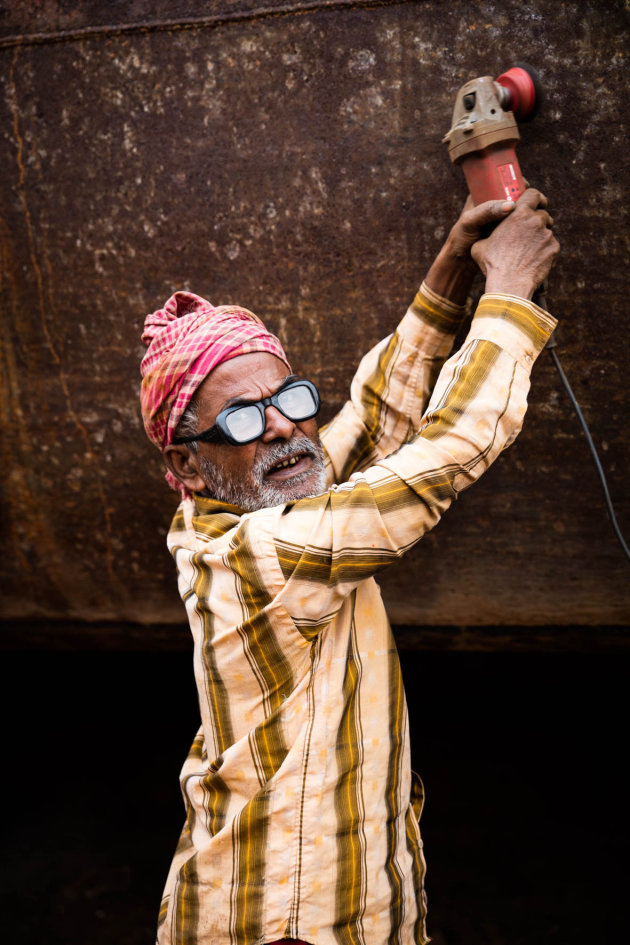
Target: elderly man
[{"x": 301, "y": 807}]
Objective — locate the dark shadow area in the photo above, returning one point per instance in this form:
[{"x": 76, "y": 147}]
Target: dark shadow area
[{"x": 522, "y": 756}]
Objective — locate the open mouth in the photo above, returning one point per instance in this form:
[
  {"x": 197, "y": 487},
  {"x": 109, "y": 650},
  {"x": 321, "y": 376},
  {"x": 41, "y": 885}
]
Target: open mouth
[{"x": 289, "y": 466}]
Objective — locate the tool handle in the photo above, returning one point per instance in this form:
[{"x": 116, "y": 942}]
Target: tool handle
[{"x": 493, "y": 174}]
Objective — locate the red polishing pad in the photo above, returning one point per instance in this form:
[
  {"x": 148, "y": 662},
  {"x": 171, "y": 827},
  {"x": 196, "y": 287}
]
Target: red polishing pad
[{"x": 524, "y": 88}]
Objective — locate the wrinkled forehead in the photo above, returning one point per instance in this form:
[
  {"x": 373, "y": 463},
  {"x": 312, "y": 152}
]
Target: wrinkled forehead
[{"x": 246, "y": 377}]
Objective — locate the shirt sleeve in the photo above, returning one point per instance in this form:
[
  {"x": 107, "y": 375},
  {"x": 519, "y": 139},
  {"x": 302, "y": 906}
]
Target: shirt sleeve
[
  {"x": 391, "y": 387},
  {"x": 326, "y": 545}
]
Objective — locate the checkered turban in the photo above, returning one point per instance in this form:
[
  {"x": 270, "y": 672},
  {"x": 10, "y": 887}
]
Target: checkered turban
[{"x": 187, "y": 339}]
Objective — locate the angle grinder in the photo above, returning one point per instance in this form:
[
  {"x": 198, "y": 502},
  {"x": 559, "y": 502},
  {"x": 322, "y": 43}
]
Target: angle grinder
[
  {"x": 484, "y": 133},
  {"x": 482, "y": 139}
]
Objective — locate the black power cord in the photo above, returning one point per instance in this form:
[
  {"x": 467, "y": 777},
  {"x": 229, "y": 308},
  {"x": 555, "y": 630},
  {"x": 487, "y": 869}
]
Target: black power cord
[{"x": 551, "y": 345}]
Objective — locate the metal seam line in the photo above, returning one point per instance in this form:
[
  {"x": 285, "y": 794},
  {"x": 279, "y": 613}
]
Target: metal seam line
[{"x": 204, "y": 22}]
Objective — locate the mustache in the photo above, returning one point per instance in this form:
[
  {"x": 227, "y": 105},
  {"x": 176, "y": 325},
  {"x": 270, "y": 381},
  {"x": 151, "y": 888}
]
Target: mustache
[
  {"x": 251, "y": 490},
  {"x": 280, "y": 451}
]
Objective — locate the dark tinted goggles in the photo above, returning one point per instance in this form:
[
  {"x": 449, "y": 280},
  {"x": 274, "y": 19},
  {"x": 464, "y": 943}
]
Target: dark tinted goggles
[{"x": 243, "y": 423}]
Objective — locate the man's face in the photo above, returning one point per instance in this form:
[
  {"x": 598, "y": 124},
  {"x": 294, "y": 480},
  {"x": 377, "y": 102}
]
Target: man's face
[{"x": 284, "y": 464}]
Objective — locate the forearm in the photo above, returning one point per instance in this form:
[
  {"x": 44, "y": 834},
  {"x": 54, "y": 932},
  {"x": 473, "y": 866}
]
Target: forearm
[
  {"x": 452, "y": 273},
  {"x": 336, "y": 540},
  {"x": 479, "y": 402},
  {"x": 394, "y": 381},
  {"x": 392, "y": 386}
]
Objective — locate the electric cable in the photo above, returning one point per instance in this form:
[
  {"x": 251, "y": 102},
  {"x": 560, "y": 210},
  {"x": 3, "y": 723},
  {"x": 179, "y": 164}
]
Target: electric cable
[{"x": 589, "y": 439}]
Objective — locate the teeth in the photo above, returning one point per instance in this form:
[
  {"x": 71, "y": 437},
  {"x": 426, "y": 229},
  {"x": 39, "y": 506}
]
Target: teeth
[{"x": 287, "y": 462}]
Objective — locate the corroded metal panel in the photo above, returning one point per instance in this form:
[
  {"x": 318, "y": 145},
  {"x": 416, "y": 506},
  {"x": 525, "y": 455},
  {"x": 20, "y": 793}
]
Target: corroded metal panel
[{"x": 288, "y": 157}]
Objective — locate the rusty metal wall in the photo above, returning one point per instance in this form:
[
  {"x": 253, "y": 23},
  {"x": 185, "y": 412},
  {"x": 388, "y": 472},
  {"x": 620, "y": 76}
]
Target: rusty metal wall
[{"x": 288, "y": 157}]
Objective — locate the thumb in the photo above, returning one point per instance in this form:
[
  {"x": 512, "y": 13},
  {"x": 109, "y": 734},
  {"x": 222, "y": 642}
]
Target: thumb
[{"x": 490, "y": 212}]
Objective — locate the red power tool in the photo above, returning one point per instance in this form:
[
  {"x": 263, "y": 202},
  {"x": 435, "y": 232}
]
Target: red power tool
[{"x": 484, "y": 133}]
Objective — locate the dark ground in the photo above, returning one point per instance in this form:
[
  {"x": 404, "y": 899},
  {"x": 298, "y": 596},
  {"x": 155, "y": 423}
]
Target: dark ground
[{"x": 523, "y": 758}]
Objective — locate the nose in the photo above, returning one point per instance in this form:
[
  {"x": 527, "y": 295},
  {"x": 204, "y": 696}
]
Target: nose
[{"x": 277, "y": 426}]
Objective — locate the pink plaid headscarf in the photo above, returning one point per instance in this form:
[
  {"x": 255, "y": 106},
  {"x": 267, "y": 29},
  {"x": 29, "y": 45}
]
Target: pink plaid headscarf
[{"x": 187, "y": 339}]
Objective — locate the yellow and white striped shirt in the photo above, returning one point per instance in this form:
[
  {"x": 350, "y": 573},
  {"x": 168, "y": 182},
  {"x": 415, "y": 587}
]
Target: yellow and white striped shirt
[{"x": 301, "y": 807}]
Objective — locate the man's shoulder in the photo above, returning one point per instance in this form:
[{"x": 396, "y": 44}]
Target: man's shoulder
[{"x": 199, "y": 517}]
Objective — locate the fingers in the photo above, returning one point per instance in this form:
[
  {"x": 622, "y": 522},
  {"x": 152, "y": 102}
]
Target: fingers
[
  {"x": 493, "y": 210},
  {"x": 475, "y": 222},
  {"x": 546, "y": 218},
  {"x": 489, "y": 212},
  {"x": 518, "y": 254},
  {"x": 533, "y": 198}
]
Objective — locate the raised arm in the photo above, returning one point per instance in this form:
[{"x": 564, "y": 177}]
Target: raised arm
[
  {"x": 307, "y": 556},
  {"x": 394, "y": 381},
  {"x": 476, "y": 410}
]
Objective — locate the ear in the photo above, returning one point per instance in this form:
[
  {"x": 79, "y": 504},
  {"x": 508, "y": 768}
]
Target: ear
[{"x": 182, "y": 462}]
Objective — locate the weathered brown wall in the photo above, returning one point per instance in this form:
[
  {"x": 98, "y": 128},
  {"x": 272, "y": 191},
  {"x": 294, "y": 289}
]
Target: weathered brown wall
[{"x": 294, "y": 163}]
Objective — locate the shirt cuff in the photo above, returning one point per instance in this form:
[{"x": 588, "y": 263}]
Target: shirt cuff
[
  {"x": 517, "y": 325},
  {"x": 437, "y": 311},
  {"x": 431, "y": 323}
]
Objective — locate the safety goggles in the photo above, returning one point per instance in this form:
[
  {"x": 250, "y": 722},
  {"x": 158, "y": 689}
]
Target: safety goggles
[{"x": 243, "y": 423}]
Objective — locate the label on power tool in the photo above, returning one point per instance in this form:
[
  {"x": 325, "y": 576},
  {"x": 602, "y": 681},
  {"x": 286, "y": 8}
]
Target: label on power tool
[{"x": 509, "y": 181}]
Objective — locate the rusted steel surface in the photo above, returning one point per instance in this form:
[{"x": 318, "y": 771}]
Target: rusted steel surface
[{"x": 293, "y": 163}]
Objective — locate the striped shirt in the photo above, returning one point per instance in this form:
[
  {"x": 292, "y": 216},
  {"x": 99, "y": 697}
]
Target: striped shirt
[{"x": 301, "y": 807}]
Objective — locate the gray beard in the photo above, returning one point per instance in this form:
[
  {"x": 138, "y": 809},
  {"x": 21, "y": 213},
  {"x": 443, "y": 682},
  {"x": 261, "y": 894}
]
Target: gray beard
[{"x": 254, "y": 493}]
